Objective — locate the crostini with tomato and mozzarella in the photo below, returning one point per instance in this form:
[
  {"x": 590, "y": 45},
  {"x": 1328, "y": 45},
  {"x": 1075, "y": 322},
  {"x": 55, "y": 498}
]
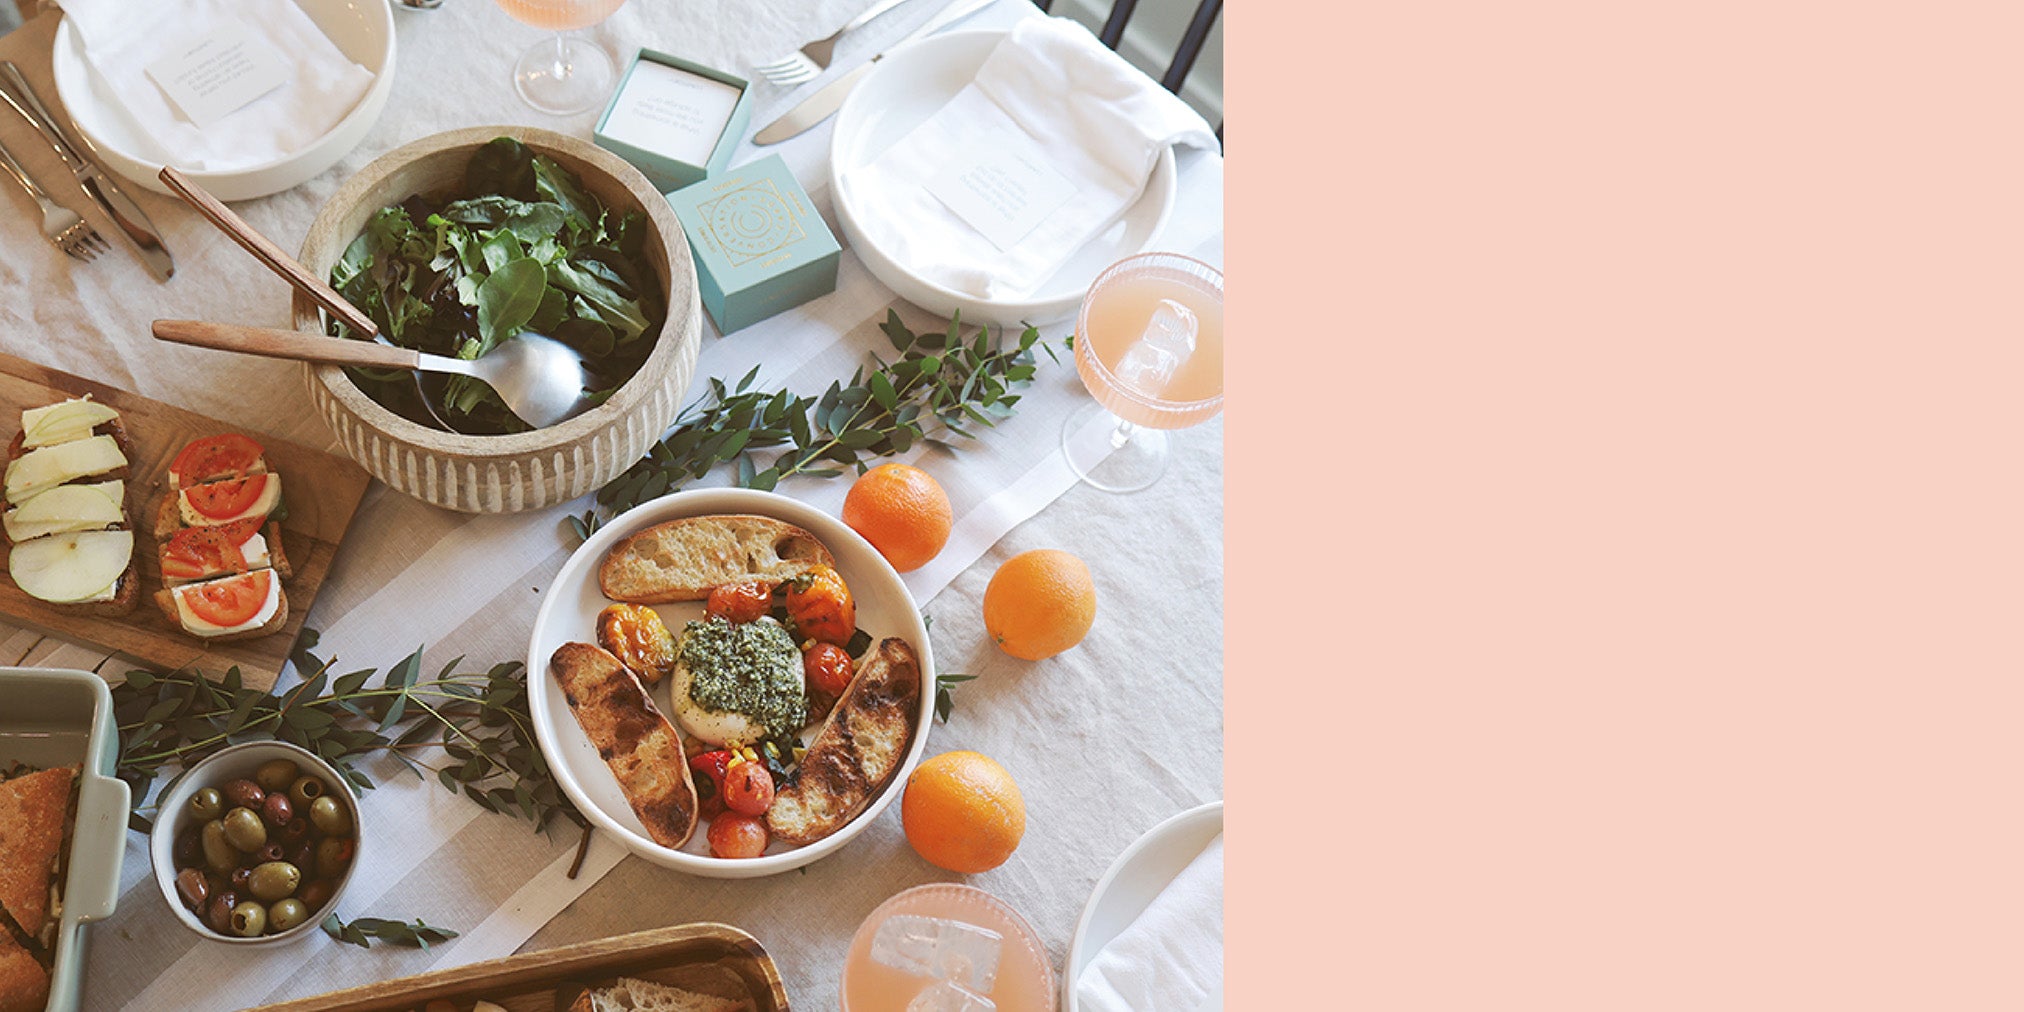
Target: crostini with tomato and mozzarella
[
  {"x": 220, "y": 544},
  {"x": 66, "y": 521}
]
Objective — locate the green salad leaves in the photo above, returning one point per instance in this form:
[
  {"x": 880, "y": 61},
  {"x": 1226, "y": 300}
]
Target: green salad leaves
[{"x": 522, "y": 246}]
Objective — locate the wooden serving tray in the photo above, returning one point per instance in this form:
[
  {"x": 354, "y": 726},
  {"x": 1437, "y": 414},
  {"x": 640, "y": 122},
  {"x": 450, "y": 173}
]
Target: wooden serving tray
[
  {"x": 320, "y": 490},
  {"x": 527, "y": 982}
]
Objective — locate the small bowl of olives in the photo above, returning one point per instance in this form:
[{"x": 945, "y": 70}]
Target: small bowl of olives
[{"x": 254, "y": 844}]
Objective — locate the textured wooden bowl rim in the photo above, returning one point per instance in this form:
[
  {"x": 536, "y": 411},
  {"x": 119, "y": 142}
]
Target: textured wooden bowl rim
[{"x": 321, "y": 248}]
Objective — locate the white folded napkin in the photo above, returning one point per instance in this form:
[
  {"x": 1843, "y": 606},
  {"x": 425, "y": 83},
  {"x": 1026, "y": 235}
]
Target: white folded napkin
[
  {"x": 1059, "y": 112},
  {"x": 1171, "y": 957},
  {"x": 123, "y": 38}
]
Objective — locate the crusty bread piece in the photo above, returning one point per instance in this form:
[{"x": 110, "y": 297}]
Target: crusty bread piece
[
  {"x": 649, "y": 996},
  {"x": 33, "y": 809},
  {"x": 681, "y": 560},
  {"x": 24, "y": 984},
  {"x": 858, "y": 749},
  {"x": 277, "y": 559},
  {"x": 643, "y": 750},
  {"x": 714, "y": 979},
  {"x": 165, "y": 599}
]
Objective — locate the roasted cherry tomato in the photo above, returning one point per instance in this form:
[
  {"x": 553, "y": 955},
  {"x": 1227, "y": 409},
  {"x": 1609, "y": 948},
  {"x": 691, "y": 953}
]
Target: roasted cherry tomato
[
  {"x": 748, "y": 789},
  {"x": 635, "y": 634},
  {"x": 821, "y": 607},
  {"x": 734, "y": 835},
  {"x": 227, "y": 456},
  {"x": 740, "y": 602},
  {"x": 230, "y": 602},
  {"x": 195, "y": 552},
  {"x": 827, "y": 667},
  {"x": 227, "y": 498}
]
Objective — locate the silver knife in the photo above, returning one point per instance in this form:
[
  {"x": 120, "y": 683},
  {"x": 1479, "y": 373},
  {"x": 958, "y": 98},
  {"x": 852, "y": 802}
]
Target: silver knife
[
  {"x": 100, "y": 187},
  {"x": 819, "y": 106}
]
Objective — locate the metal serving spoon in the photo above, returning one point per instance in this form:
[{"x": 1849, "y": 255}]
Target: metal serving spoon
[{"x": 541, "y": 379}]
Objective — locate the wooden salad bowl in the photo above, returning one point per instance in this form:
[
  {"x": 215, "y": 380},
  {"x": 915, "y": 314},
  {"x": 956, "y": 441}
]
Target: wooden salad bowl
[{"x": 519, "y": 471}]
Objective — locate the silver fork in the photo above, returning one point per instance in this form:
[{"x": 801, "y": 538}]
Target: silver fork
[
  {"x": 66, "y": 231},
  {"x": 812, "y": 59}
]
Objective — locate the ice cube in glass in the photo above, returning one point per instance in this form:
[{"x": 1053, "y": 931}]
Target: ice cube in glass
[{"x": 937, "y": 947}]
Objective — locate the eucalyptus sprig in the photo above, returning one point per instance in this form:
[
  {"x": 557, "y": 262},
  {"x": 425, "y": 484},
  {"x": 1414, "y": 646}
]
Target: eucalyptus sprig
[
  {"x": 939, "y": 388},
  {"x": 478, "y": 720},
  {"x": 361, "y": 932}
]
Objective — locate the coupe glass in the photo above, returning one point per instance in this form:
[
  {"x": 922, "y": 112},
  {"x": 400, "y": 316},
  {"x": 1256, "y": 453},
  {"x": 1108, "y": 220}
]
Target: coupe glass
[
  {"x": 1149, "y": 347},
  {"x": 564, "y": 74}
]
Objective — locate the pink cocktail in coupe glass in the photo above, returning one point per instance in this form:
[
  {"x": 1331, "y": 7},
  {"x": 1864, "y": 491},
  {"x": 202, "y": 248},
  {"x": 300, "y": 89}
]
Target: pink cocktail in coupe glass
[
  {"x": 1149, "y": 347},
  {"x": 1022, "y": 980},
  {"x": 565, "y": 74}
]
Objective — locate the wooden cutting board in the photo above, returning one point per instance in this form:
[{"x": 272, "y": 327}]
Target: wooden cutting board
[{"x": 321, "y": 492}]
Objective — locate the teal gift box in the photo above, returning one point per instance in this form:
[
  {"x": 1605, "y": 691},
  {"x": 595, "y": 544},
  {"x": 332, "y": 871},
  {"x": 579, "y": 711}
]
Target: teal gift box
[
  {"x": 675, "y": 121},
  {"x": 760, "y": 247}
]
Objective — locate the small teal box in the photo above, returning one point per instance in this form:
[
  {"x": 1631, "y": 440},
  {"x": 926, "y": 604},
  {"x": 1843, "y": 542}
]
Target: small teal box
[
  {"x": 760, "y": 247},
  {"x": 664, "y": 118}
]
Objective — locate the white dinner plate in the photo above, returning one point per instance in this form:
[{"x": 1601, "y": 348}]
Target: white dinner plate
[
  {"x": 568, "y": 612},
  {"x": 363, "y": 30},
  {"x": 1133, "y": 881},
  {"x": 906, "y": 87}
]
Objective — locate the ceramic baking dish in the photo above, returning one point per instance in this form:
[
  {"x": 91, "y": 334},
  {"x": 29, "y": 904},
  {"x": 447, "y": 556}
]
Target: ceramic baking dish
[{"x": 51, "y": 717}]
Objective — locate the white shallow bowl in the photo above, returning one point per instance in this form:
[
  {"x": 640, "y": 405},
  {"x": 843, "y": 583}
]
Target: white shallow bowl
[
  {"x": 231, "y": 763},
  {"x": 912, "y": 84},
  {"x": 569, "y": 609},
  {"x": 1133, "y": 881},
  {"x": 362, "y": 29}
]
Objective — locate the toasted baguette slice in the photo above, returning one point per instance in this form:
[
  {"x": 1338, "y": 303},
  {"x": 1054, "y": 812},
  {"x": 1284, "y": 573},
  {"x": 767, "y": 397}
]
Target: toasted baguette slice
[
  {"x": 681, "y": 560},
  {"x": 650, "y": 996},
  {"x": 165, "y": 599},
  {"x": 858, "y": 749},
  {"x": 24, "y": 984},
  {"x": 273, "y": 558},
  {"x": 643, "y": 750},
  {"x": 33, "y": 808}
]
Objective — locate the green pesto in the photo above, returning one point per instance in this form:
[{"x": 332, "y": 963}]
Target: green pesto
[{"x": 752, "y": 668}]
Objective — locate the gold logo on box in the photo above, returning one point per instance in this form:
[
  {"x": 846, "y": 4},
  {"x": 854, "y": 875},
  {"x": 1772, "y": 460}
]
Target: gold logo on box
[{"x": 751, "y": 222}]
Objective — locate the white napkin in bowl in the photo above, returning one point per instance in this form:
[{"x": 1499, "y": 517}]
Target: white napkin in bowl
[
  {"x": 1049, "y": 96},
  {"x": 1171, "y": 957},
  {"x": 122, "y": 39}
]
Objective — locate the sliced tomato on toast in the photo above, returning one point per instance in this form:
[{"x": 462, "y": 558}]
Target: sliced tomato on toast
[
  {"x": 231, "y": 601},
  {"x": 196, "y": 552},
  {"x": 229, "y": 455},
  {"x": 226, "y": 498}
]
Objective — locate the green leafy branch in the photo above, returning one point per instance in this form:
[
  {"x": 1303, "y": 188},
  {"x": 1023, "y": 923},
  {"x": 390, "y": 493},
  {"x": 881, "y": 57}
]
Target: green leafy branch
[
  {"x": 478, "y": 720},
  {"x": 361, "y": 932},
  {"x": 941, "y": 387}
]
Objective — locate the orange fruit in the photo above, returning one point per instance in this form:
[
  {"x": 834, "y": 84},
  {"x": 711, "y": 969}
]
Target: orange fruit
[
  {"x": 902, "y": 511},
  {"x": 1039, "y": 603},
  {"x": 962, "y": 812}
]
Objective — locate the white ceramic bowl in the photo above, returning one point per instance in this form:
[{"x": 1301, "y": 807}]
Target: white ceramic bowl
[
  {"x": 362, "y": 29},
  {"x": 1133, "y": 881},
  {"x": 216, "y": 770},
  {"x": 904, "y": 89},
  {"x": 569, "y": 609}
]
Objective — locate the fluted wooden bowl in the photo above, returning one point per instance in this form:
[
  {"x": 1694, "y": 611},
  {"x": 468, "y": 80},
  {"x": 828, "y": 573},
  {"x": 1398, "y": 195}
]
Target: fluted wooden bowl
[{"x": 528, "y": 470}]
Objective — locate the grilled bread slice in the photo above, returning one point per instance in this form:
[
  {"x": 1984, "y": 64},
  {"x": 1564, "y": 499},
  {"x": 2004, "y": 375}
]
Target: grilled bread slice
[
  {"x": 858, "y": 749},
  {"x": 681, "y": 560},
  {"x": 33, "y": 809},
  {"x": 643, "y": 750}
]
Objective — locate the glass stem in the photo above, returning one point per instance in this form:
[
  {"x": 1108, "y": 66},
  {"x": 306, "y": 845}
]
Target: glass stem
[
  {"x": 1122, "y": 434},
  {"x": 561, "y": 55}
]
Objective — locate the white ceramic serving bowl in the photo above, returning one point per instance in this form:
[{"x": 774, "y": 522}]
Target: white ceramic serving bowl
[
  {"x": 216, "y": 770},
  {"x": 362, "y": 29},
  {"x": 905, "y": 88},
  {"x": 1133, "y": 881},
  {"x": 569, "y": 609}
]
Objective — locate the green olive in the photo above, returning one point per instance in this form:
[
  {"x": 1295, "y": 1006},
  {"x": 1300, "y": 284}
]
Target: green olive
[
  {"x": 207, "y": 804},
  {"x": 305, "y": 792},
  {"x": 274, "y": 880},
  {"x": 333, "y": 855},
  {"x": 329, "y": 817},
  {"x": 286, "y": 914},
  {"x": 244, "y": 830},
  {"x": 249, "y": 919},
  {"x": 276, "y": 774},
  {"x": 219, "y": 854}
]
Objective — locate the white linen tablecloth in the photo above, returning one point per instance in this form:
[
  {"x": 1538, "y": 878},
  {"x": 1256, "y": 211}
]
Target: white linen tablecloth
[{"x": 1105, "y": 740}]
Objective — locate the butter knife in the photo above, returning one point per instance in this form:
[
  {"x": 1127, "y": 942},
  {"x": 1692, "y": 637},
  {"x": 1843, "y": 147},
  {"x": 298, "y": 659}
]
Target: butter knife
[
  {"x": 98, "y": 185},
  {"x": 821, "y": 105}
]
